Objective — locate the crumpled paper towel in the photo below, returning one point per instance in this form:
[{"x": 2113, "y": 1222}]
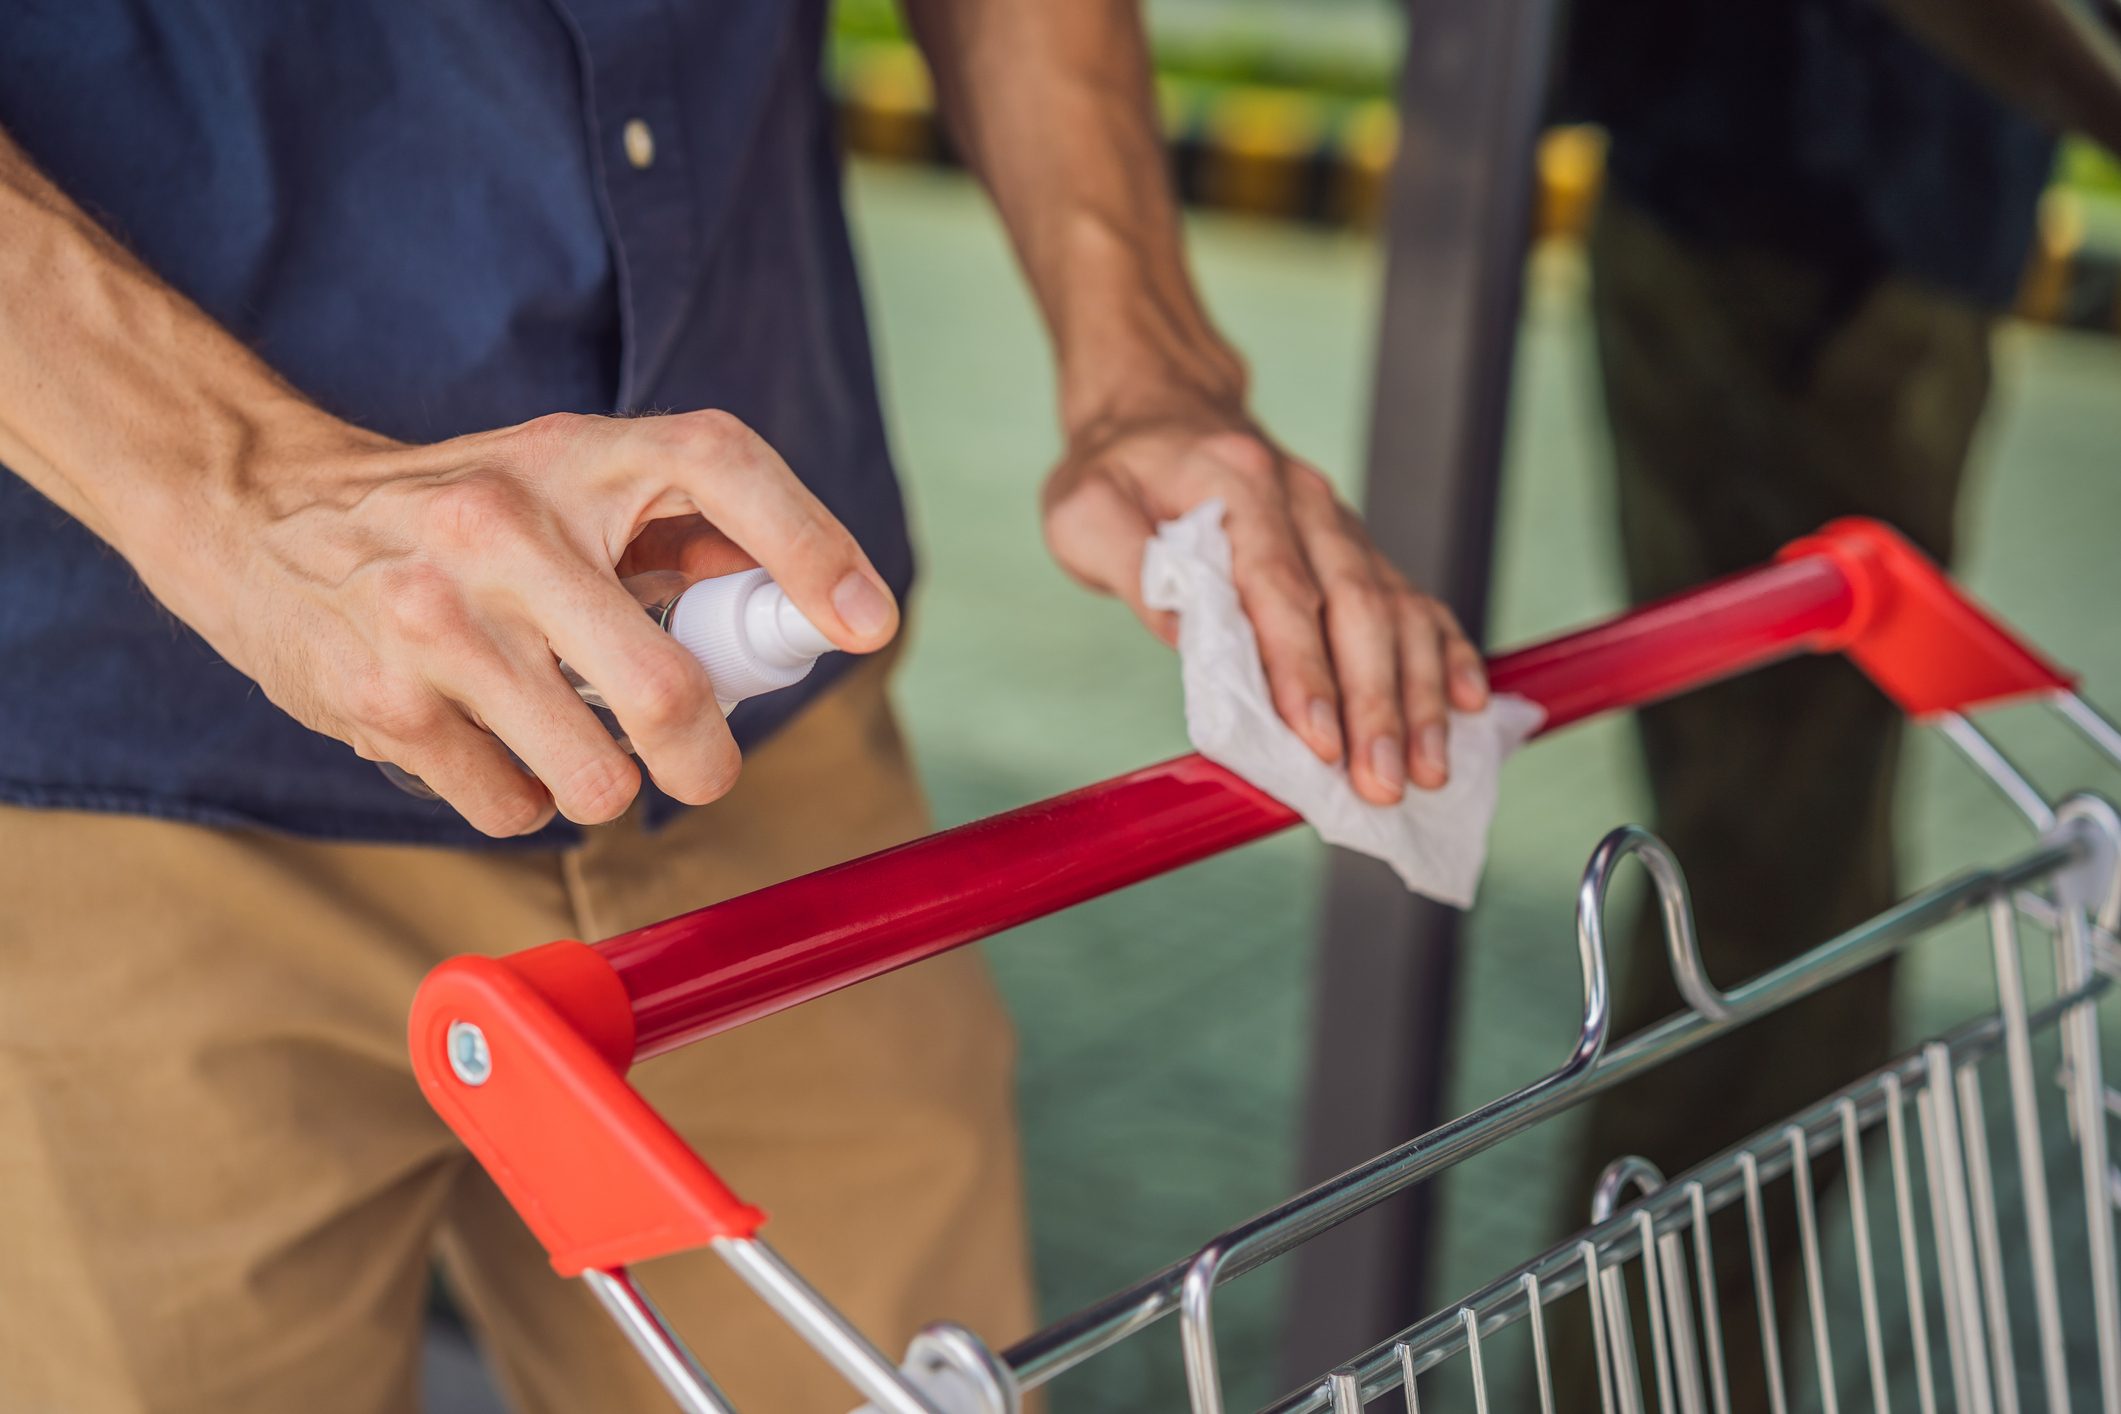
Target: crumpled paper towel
[{"x": 1437, "y": 841}]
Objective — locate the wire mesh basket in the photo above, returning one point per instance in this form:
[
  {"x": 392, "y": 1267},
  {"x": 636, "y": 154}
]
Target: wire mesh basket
[{"x": 1953, "y": 1208}]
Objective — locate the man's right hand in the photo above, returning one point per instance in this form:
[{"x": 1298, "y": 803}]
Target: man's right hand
[{"x": 415, "y": 602}]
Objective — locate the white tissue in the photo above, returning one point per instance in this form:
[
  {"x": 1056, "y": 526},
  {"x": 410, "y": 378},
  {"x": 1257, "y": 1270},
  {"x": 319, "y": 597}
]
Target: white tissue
[{"x": 1437, "y": 841}]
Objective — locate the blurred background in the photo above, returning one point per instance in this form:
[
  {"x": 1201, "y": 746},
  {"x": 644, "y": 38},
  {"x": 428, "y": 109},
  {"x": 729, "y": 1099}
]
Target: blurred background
[{"x": 1165, "y": 1031}]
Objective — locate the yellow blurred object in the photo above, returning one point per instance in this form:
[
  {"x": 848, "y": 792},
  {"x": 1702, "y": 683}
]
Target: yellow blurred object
[
  {"x": 1299, "y": 155},
  {"x": 889, "y": 104},
  {"x": 1258, "y": 145},
  {"x": 1571, "y": 165},
  {"x": 2055, "y": 248},
  {"x": 1368, "y": 139}
]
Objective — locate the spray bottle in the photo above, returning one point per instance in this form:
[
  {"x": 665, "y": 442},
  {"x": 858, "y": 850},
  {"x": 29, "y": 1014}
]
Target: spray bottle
[{"x": 743, "y": 628}]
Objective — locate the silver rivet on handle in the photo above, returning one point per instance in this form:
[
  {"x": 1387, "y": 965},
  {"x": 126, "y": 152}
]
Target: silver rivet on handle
[{"x": 468, "y": 1056}]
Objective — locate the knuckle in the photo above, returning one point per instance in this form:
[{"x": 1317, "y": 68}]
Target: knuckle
[
  {"x": 552, "y": 428},
  {"x": 1357, "y": 596},
  {"x": 1422, "y": 672},
  {"x": 712, "y": 432},
  {"x": 714, "y": 777},
  {"x": 1296, "y": 677},
  {"x": 1372, "y": 704},
  {"x": 1284, "y": 581},
  {"x": 509, "y": 812},
  {"x": 1244, "y": 456},
  {"x": 385, "y": 707},
  {"x": 478, "y": 513},
  {"x": 667, "y": 692},
  {"x": 1419, "y": 616},
  {"x": 1427, "y": 611},
  {"x": 599, "y": 787},
  {"x": 1422, "y": 686},
  {"x": 537, "y": 444},
  {"x": 1078, "y": 506},
  {"x": 422, "y": 606},
  {"x": 815, "y": 540},
  {"x": 1307, "y": 481}
]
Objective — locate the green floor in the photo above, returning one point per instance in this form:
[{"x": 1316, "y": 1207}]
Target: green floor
[{"x": 1163, "y": 1031}]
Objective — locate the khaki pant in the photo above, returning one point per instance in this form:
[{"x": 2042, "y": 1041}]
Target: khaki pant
[
  {"x": 1753, "y": 398},
  {"x": 220, "y": 1190}
]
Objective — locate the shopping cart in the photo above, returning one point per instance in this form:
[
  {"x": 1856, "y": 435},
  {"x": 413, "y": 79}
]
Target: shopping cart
[{"x": 526, "y": 1058}]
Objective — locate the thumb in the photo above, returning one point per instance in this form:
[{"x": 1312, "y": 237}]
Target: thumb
[{"x": 1098, "y": 533}]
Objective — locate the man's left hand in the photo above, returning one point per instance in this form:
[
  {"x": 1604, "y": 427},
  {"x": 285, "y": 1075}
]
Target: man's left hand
[{"x": 1360, "y": 663}]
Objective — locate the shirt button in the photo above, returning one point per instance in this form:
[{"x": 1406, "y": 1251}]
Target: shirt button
[{"x": 640, "y": 143}]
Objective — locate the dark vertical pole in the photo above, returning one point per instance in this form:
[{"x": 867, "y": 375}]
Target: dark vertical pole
[{"x": 1471, "y": 97}]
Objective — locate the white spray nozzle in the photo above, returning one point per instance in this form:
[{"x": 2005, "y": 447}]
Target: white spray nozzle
[
  {"x": 747, "y": 633},
  {"x": 776, "y": 618}
]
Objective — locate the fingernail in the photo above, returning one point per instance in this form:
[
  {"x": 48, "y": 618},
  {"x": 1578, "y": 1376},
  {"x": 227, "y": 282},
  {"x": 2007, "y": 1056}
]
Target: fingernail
[
  {"x": 861, "y": 605},
  {"x": 1325, "y": 724},
  {"x": 1473, "y": 680},
  {"x": 1387, "y": 762},
  {"x": 1434, "y": 753}
]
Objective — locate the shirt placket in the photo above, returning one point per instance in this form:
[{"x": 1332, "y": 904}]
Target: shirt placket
[{"x": 631, "y": 68}]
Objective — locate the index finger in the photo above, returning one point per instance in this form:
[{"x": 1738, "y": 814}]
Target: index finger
[{"x": 731, "y": 476}]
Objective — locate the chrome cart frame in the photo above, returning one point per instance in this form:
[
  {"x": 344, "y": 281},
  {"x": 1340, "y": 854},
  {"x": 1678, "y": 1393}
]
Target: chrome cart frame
[{"x": 526, "y": 1058}]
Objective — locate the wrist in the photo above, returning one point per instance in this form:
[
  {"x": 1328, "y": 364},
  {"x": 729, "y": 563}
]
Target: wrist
[
  {"x": 1203, "y": 385},
  {"x": 1131, "y": 339},
  {"x": 195, "y": 531},
  {"x": 1205, "y": 393}
]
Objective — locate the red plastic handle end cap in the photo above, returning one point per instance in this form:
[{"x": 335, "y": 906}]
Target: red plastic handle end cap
[
  {"x": 1914, "y": 633},
  {"x": 598, "y": 1175}
]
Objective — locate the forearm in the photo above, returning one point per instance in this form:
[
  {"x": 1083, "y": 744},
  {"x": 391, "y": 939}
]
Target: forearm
[
  {"x": 411, "y": 600},
  {"x": 1051, "y": 103},
  {"x": 120, "y": 399},
  {"x": 1053, "y": 108}
]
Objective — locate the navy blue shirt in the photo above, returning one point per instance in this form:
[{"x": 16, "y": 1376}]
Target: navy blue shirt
[
  {"x": 426, "y": 217},
  {"x": 1817, "y": 128}
]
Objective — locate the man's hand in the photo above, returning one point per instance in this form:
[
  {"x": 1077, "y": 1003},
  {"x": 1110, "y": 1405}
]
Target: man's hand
[
  {"x": 414, "y": 602},
  {"x": 1360, "y": 664},
  {"x": 1052, "y": 106}
]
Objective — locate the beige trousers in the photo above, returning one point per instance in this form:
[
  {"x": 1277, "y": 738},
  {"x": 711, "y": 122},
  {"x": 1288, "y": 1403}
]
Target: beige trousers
[{"x": 220, "y": 1190}]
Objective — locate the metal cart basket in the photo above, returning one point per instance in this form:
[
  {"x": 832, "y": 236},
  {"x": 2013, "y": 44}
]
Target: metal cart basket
[{"x": 1929, "y": 1282}]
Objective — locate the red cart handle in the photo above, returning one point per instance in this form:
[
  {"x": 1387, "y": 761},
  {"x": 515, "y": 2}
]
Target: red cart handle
[{"x": 604, "y": 1182}]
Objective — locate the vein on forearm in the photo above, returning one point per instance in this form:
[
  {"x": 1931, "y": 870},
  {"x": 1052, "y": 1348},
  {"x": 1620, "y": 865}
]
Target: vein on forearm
[{"x": 119, "y": 399}]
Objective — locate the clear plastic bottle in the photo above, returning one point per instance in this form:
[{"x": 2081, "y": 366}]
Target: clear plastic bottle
[{"x": 743, "y": 628}]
